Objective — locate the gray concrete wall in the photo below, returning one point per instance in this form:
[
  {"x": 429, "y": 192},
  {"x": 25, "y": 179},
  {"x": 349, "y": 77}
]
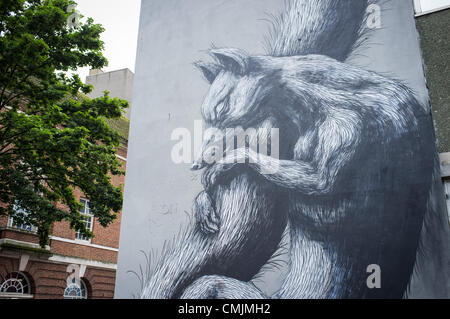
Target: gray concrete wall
[
  {"x": 168, "y": 92},
  {"x": 435, "y": 38},
  {"x": 119, "y": 84}
]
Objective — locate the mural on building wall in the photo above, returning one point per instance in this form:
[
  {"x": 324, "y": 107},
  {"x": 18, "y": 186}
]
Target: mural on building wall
[{"x": 354, "y": 173}]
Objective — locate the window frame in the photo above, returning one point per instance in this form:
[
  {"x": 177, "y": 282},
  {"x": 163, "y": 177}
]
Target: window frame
[
  {"x": 21, "y": 227},
  {"x": 88, "y": 220},
  {"x": 74, "y": 286},
  {"x": 13, "y": 277},
  {"x": 447, "y": 196},
  {"x": 419, "y": 11}
]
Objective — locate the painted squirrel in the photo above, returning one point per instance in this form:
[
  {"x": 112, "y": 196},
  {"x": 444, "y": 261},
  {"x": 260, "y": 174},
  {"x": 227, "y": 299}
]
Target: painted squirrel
[{"x": 354, "y": 178}]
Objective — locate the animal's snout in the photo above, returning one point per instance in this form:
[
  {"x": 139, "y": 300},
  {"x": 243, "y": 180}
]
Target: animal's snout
[
  {"x": 197, "y": 166},
  {"x": 211, "y": 151}
]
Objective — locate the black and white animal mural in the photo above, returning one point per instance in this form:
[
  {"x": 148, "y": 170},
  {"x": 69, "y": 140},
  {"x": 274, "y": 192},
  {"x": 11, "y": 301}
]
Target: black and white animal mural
[{"x": 352, "y": 197}]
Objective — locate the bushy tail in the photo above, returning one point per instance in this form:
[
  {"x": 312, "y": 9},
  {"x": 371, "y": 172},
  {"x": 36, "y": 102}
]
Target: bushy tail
[
  {"x": 431, "y": 277},
  {"x": 327, "y": 27}
]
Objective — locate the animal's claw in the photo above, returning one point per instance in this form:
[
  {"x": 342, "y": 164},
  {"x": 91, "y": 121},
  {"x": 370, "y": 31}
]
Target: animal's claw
[
  {"x": 214, "y": 173},
  {"x": 206, "y": 217},
  {"x": 208, "y": 226}
]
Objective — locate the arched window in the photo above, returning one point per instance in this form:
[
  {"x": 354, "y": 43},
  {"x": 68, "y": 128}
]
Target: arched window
[
  {"x": 15, "y": 283},
  {"x": 75, "y": 291}
]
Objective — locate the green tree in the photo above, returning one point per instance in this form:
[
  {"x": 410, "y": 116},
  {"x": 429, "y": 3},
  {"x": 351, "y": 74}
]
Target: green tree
[{"x": 53, "y": 139}]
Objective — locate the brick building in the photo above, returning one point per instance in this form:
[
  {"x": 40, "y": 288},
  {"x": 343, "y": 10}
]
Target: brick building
[{"x": 28, "y": 271}]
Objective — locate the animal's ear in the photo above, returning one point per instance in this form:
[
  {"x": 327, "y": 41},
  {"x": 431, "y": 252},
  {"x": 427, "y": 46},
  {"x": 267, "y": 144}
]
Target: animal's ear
[
  {"x": 231, "y": 59},
  {"x": 209, "y": 70}
]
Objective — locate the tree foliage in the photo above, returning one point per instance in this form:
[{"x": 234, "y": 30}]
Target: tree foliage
[{"x": 53, "y": 139}]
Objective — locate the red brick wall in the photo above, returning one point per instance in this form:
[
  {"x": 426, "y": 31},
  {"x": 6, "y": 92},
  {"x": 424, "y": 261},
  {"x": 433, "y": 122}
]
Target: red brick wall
[
  {"x": 3, "y": 221},
  {"x": 82, "y": 251},
  {"x": 8, "y": 265},
  {"x": 102, "y": 236},
  {"x": 107, "y": 236},
  {"x": 62, "y": 229},
  {"x": 48, "y": 279},
  {"x": 101, "y": 282},
  {"x": 122, "y": 151},
  {"x": 19, "y": 235}
]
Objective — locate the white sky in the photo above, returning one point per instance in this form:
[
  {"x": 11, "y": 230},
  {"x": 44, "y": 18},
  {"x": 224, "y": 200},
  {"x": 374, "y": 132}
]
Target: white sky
[{"x": 120, "y": 18}]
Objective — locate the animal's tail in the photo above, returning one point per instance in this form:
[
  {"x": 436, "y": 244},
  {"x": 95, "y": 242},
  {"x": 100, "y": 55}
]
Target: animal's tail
[
  {"x": 327, "y": 27},
  {"x": 253, "y": 217},
  {"x": 431, "y": 277}
]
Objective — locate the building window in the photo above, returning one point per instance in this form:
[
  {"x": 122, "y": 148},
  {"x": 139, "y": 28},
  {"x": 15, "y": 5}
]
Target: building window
[
  {"x": 76, "y": 291},
  {"x": 15, "y": 283},
  {"x": 447, "y": 197},
  {"x": 13, "y": 224},
  {"x": 428, "y": 6},
  {"x": 88, "y": 219}
]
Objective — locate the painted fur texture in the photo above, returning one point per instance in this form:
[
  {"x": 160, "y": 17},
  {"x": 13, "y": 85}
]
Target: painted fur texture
[
  {"x": 358, "y": 179},
  {"x": 354, "y": 177},
  {"x": 252, "y": 220}
]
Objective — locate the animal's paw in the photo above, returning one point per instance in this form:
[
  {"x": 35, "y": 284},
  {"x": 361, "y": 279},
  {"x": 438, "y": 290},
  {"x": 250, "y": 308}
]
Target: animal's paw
[
  {"x": 213, "y": 174},
  {"x": 205, "y": 214}
]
